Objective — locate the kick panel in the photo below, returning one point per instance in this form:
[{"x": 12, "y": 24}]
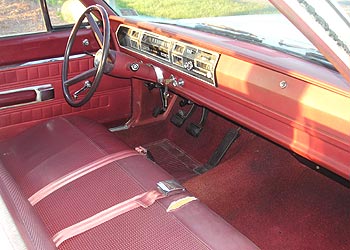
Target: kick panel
[{"x": 187, "y": 58}]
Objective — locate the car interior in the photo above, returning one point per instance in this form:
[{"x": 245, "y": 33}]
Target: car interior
[{"x": 120, "y": 133}]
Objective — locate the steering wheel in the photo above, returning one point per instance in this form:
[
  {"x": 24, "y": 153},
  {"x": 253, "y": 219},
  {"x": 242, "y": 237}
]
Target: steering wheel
[{"x": 100, "y": 58}]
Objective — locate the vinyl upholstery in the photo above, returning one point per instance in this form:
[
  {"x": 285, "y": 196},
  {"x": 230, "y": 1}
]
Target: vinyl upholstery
[{"x": 44, "y": 153}]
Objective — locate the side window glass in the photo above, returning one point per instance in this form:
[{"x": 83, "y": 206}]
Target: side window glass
[
  {"x": 64, "y": 12},
  {"x": 20, "y": 17}
]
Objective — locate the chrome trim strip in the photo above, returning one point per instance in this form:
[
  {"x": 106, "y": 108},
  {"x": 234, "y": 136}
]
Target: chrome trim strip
[
  {"x": 55, "y": 59},
  {"x": 44, "y": 93}
]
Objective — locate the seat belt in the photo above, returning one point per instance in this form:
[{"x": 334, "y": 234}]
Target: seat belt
[
  {"x": 143, "y": 200},
  {"x": 64, "y": 180},
  {"x": 165, "y": 189}
]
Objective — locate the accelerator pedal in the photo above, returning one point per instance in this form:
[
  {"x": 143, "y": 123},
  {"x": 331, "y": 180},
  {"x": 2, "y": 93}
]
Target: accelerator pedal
[{"x": 220, "y": 151}]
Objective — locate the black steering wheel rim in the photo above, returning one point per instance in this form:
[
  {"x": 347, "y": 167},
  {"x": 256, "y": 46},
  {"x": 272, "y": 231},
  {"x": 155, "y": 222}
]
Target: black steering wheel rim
[{"x": 99, "y": 63}]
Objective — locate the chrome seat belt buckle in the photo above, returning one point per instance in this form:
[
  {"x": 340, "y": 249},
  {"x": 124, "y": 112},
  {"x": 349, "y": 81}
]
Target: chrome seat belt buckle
[
  {"x": 170, "y": 187},
  {"x": 141, "y": 150}
]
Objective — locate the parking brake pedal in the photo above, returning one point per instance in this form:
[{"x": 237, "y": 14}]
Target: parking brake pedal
[
  {"x": 220, "y": 151},
  {"x": 180, "y": 117},
  {"x": 196, "y": 129}
]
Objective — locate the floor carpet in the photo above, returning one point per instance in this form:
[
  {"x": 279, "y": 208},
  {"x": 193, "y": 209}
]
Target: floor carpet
[
  {"x": 275, "y": 201},
  {"x": 259, "y": 188}
]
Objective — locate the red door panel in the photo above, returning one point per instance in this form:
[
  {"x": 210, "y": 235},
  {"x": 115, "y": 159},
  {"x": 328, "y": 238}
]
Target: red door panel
[
  {"x": 27, "y": 48},
  {"x": 110, "y": 103}
]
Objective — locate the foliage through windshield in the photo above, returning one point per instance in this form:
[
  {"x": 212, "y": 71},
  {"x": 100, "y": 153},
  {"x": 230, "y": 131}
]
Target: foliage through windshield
[{"x": 178, "y": 9}]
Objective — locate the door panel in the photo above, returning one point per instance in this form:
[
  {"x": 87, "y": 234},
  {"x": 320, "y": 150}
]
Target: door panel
[
  {"x": 111, "y": 102},
  {"x": 27, "y": 48}
]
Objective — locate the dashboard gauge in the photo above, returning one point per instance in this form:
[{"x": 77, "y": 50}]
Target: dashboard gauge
[{"x": 184, "y": 57}]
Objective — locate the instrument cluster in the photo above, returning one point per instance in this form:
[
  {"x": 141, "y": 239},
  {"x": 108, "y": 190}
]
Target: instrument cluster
[{"x": 187, "y": 58}]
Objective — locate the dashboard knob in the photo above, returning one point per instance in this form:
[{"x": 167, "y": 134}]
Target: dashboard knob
[
  {"x": 134, "y": 67},
  {"x": 180, "y": 82},
  {"x": 189, "y": 65}
]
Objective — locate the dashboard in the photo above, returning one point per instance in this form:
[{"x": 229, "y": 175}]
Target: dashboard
[
  {"x": 187, "y": 58},
  {"x": 295, "y": 103}
]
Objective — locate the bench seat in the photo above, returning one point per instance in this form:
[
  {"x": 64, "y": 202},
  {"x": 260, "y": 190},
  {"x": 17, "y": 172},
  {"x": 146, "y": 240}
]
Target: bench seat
[{"x": 41, "y": 155}]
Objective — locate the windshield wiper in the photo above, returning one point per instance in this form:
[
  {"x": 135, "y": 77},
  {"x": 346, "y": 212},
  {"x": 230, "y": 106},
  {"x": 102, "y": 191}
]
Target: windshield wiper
[
  {"x": 293, "y": 45},
  {"x": 319, "y": 58},
  {"x": 311, "y": 54},
  {"x": 228, "y": 32}
]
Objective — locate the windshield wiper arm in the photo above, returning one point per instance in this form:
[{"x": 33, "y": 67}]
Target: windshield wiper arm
[
  {"x": 319, "y": 58},
  {"x": 229, "y": 32},
  {"x": 310, "y": 54},
  {"x": 293, "y": 45}
]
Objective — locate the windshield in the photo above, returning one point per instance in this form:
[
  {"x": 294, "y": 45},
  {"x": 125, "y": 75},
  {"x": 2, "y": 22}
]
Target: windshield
[
  {"x": 255, "y": 21},
  {"x": 345, "y": 6}
]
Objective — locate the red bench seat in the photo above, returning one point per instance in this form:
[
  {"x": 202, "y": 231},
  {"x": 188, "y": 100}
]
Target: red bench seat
[{"x": 45, "y": 153}]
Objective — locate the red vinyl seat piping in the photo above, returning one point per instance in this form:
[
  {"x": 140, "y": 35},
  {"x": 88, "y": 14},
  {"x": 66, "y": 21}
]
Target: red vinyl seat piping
[{"x": 58, "y": 183}]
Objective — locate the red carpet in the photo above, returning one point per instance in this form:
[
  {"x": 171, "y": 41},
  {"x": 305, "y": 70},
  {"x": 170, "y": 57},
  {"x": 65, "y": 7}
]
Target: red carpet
[
  {"x": 259, "y": 188},
  {"x": 275, "y": 201}
]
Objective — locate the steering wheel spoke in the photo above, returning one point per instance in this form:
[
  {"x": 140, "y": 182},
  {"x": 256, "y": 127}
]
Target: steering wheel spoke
[
  {"x": 81, "y": 77},
  {"x": 103, "y": 38},
  {"x": 95, "y": 29}
]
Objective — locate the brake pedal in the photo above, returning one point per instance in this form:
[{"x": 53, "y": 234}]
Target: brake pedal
[
  {"x": 180, "y": 117},
  {"x": 196, "y": 129},
  {"x": 220, "y": 151}
]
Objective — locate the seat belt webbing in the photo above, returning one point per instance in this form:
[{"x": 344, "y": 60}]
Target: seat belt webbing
[
  {"x": 164, "y": 189},
  {"x": 64, "y": 180},
  {"x": 143, "y": 200}
]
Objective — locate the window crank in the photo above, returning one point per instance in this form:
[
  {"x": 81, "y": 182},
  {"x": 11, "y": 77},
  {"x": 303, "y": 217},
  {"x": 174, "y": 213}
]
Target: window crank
[{"x": 86, "y": 86}]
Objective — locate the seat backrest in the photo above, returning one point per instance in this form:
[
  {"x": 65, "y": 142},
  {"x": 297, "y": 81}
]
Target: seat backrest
[{"x": 18, "y": 219}]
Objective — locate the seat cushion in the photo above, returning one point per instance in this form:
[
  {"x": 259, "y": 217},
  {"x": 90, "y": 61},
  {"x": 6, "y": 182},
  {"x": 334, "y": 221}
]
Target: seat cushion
[
  {"x": 52, "y": 149},
  {"x": 193, "y": 226},
  {"x": 62, "y": 146}
]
